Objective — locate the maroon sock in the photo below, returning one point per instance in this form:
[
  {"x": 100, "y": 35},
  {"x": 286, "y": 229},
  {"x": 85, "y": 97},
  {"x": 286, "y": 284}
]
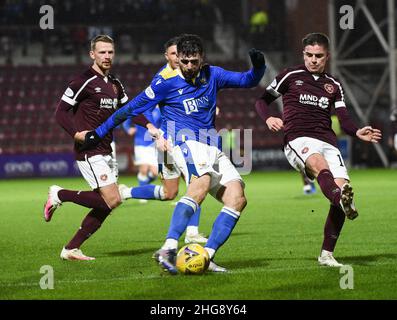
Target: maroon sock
[
  {"x": 333, "y": 227},
  {"x": 91, "y": 223},
  {"x": 89, "y": 199},
  {"x": 328, "y": 186}
]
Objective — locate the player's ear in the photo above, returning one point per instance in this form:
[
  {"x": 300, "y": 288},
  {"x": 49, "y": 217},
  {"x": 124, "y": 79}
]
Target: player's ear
[{"x": 92, "y": 55}]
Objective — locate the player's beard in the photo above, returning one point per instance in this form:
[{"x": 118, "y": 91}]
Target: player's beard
[
  {"x": 190, "y": 75},
  {"x": 106, "y": 65}
]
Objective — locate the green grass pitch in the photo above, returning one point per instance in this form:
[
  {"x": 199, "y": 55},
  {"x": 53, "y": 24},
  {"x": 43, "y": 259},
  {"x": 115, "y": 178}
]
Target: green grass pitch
[{"x": 271, "y": 254}]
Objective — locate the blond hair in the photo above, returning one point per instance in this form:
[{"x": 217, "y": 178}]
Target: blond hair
[{"x": 101, "y": 38}]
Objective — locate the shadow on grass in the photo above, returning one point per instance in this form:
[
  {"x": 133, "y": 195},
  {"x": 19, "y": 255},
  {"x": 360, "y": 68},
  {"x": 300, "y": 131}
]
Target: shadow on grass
[
  {"x": 362, "y": 260},
  {"x": 237, "y": 234},
  {"x": 132, "y": 252},
  {"x": 249, "y": 263},
  {"x": 368, "y": 259}
]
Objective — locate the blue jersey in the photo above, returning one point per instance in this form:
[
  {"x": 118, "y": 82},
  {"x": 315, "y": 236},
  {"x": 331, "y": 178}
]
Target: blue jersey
[
  {"x": 142, "y": 137},
  {"x": 187, "y": 107}
]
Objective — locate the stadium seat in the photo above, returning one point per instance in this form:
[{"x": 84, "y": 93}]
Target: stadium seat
[{"x": 32, "y": 106}]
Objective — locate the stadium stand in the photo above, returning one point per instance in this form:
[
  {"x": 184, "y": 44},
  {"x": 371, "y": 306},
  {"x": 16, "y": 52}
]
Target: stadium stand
[{"x": 30, "y": 94}]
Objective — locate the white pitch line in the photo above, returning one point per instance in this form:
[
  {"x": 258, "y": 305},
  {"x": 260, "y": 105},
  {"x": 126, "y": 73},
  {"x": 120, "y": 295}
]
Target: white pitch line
[
  {"x": 154, "y": 276},
  {"x": 32, "y": 284}
]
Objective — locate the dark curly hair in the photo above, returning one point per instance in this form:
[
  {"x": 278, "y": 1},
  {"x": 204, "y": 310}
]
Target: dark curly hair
[{"x": 189, "y": 45}]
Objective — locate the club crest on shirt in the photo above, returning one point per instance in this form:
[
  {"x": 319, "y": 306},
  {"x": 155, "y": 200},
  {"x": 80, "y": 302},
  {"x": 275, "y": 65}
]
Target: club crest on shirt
[
  {"x": 329, "y": 88},
  {"x": 305, "y": 150},
  {"x": 104, "y": 177},
  {"x": 115, "y": 88}
]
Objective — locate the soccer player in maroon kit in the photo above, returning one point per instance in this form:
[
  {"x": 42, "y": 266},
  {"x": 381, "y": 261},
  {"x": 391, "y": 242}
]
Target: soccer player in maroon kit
[
  {"x": 310, "y": 144},
  {"x": 88, "y": 101}
]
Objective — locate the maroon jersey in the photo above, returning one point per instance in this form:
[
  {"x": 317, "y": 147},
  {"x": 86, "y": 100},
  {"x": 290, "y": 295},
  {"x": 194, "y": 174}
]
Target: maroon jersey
[
  {"x": 307, "y": 101},
  {"x": 93, "y": 98}
]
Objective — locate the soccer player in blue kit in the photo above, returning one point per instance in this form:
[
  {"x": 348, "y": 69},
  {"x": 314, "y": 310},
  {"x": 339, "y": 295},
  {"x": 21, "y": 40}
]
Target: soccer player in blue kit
[
  {"x": 188, "y": 96},
  {"x": 147, "y": 159}
]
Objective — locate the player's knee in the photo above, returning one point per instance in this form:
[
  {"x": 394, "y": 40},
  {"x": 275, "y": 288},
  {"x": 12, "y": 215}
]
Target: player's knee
[
  {"x": 241, "y": 203},
  {"x": 170, "y": 194},
  {"x": 238, "y": 203},
  {"x": 114, "y": 201}
]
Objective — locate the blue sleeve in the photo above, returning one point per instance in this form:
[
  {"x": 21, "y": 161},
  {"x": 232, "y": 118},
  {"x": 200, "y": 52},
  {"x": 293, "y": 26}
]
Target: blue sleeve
[
  {"x": 231, "y": 79},
  {"x": 144, "y": 101}
]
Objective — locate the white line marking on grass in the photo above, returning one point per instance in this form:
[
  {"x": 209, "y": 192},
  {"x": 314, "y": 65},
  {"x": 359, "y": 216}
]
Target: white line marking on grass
[
  {"x": 33, "y": 284},
  {"x": 159, "y": 276}
]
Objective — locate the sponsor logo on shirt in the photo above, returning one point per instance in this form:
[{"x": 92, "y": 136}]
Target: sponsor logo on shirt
[
  {"x": 108, "y": 103},
  {"x": 313, "y": 100},
  {"x": 192, "y": 104}
]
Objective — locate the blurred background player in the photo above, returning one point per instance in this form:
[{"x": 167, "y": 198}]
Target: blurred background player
[
  {"x": 393, "y": 137},
  {"x": 308, "y": 185},
  {"x": 310, "y": 142},
  {"x": 147, "y": 159},
  {"x": 92, "y": 96},
  {"x": 191, "y": 92}
]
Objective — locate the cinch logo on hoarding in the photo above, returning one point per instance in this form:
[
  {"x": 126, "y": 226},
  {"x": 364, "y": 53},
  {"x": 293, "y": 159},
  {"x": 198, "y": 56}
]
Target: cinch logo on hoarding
[{"x": 18, "y": 168}]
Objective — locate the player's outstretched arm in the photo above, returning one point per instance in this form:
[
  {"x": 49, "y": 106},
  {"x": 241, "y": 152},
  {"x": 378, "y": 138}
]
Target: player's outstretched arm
[
  {"x": 366, "y": 133},
  {"x": 369, "y": 134},
  {"x": 257, "y": 58},
  {"x": 146, "y": 100},
  {"x": 248, "y": 79}
]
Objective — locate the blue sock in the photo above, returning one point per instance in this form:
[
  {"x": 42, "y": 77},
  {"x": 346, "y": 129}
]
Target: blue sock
[
  {"x": 151, "y": 177},
  {"x": 222, "y": 228},
  {"x": 182, "y": 213},
  {"x": 149, "y": 191},
  {"x": 195, "y": 218},
  {"x": 143, "y": 180}
]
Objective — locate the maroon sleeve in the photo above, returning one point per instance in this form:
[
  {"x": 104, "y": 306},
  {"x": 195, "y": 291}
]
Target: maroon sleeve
[
  {"x": 72, "y": 96},
  {"x": 140, "y": 120},
  {"x": 64, "y": 117},
  {"x": 346, "y": 122},
  {"x": 262, "y": 105},
  {"x": 122, "y": 95}
]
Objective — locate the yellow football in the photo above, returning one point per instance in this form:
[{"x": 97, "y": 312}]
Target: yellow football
[{"x": 192, "y": 259}]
